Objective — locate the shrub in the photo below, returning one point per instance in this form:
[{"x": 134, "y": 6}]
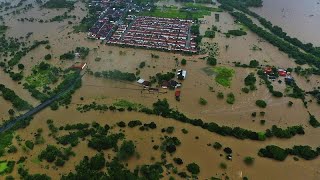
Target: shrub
[
  {"x": 170, "y": 129},
  {"x": 313, "y": 121},
  {"x": 202, "y": 101},
  {"x": 20, "y": 66},
  {"x": 227, "y": 150},
  {"x": 59, "y": 162},
  {"x": 248, "y": 160},
  {"x": 290, "y": 103},
  {"x": 220, "y": 95},
  {"x": 126, "y": 150},
  {"x": 184, "y": 131},
  {"x": 273, "y": 152},
  {"x": 97, "y": 162},
  {"x": 47, "y": 57},
  {"x": 212, "y": 61},
  {"x": 134, "y": 123},
  {"x": 183, "y": 62},
  {"x": 178, "y": 161},
  {"x": 261, "y": 103},
  {"x": 250, "y": 80},
  {"x": 29, "y": 144},
  {"x": 277, "y": 94},
  {"x": 193, "y": 168},
  {"x": 217, "y": 145},
  {"x": 262, "y": 122},
  {"x": 230, "y": 98},
  {"x": 142, "y": 65},
  {"x": 223, "y": 165},
  {"x": 245, "y": 90},
  {"x": 121, "y": 124},
  {"x": 12, "y": 149}
]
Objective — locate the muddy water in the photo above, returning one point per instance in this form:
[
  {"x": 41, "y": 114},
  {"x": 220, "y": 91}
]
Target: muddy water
[
  {"x": 191, "y": 150},
  {"x": 298, "y": 18}
]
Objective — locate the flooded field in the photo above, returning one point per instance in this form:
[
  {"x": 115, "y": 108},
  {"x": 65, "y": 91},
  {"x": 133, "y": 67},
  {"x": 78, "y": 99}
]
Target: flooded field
[
  {"x": 297, "y": 18},
  {"x": 198, "y": 84}
]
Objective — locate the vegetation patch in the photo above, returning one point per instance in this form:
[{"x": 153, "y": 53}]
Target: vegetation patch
[
  {"x": 43, "y": 74},
  {"x": 223, "y": 76},
  {"x": 16, "y": 101}
]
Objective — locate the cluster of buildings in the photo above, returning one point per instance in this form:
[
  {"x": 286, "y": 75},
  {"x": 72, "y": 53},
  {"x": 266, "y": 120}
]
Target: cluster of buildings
[
  {"x": 116, "y": 27},
  {"x": 156, "y": 33},
  {"x": 112, "y": 14}
]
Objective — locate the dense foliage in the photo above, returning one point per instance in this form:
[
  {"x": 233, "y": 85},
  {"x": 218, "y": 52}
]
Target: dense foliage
[{"x": 16, "y": 101}]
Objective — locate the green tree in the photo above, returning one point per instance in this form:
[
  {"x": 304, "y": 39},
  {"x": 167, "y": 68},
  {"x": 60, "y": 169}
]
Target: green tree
[
  {"x": 126, "y": 150},
  {"x": 193, "y": 168}
]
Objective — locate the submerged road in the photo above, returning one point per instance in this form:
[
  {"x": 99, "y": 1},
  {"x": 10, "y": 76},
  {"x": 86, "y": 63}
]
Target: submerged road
[{"x": 40, "y": 107}]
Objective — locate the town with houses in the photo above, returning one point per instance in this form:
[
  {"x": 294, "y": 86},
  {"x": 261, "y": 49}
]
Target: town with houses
[{"x": 118, "y": 25}]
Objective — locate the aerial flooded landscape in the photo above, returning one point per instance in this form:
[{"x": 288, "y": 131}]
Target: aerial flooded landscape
[{"x": 159, "y": 89}]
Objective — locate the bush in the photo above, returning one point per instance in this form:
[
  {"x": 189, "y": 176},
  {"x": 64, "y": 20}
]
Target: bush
[
  {"x": 212, "y": 61},
  {"x": 193, "y": 168},
  {"x": 273, "y": 152},
  {"x": 20, "y": 66},
  {"x": 178, "y": 161},
  {"x": 121, "y": 124},
  {"x": 250, "y": 80},
  {"x": 47, "y": 57},
  {"x": 142, "y": 65},
  {"x": 262, "y": 122},
  {"x": 203, "y": 102},
  {"x": 231, "y": 98},
  {"x": 220, "y": 95},
  {"x": 261, "y": 103},
  {"x": 223, "y": 165},
  {"x": 59, "y": 162},
  {"x": 217, "y": 145},
  {"x": 227, "y": 150},
  {"x": 134, "y": 123},
  {"x": 126, "y": 150},
  {"x": 184, "y": 131},
  {"x": 97, "y": 162},
  {"x": 277, "y": 94},
  {"x": 183, "y": 62},
  {"x": 29, "y": 144},
  {"x": 313, "y": 121},
  {"x": 12, "y": 149},
  {"x": 290, "y": 103},
  {"x": 245, "y": 90},
  {"x": 248, "y": 160}
]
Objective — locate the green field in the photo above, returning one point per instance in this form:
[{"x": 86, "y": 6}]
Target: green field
[
  {"x": 223, "y": 76},
  {"x": 197, "y": 12},
  {"x": 43, "y": 75}
]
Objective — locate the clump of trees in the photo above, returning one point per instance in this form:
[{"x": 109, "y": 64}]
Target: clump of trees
[
  {"x": 202, "y": 101},
  {"x": 16, "y": 101},
  {"x": 313, "y": 121},
  {"x": 127, "y": 150},
  {"x": 212, "y": 61},
  {"x": 231, "y": 98},
  {"x": 280, "y": 154},
  {"x": 236, "y": 32},
  {"x": 183, "y": 62},
  {"x": 261, "y": 103},
  {"x": 193, "y": 168},
  {"x": 248, "y": 160},
  {"x": 52, "y": 153},
  {"x": 161, "y": 107}
]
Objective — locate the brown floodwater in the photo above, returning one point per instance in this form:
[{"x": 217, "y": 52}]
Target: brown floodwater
[{"x": 298, "y": 18}]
